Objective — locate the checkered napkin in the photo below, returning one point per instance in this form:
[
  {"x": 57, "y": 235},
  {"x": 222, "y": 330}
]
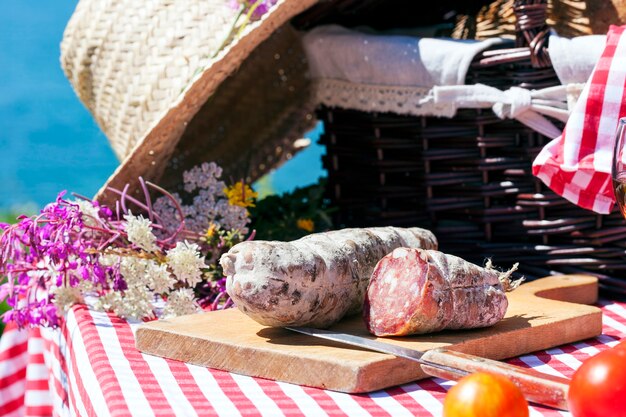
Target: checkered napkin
[{"x": 577, "y": 164}]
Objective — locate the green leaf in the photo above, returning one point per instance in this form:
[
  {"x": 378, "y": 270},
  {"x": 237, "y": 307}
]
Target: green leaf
[{"x": 275, "y": 217}]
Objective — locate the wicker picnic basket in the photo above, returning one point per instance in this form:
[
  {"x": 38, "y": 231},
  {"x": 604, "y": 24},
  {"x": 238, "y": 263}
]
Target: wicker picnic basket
[{"x": 468, "y": 178}]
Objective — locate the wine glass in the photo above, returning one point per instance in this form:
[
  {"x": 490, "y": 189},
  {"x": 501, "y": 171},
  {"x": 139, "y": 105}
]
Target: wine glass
[{"x": 619, "y": 165}]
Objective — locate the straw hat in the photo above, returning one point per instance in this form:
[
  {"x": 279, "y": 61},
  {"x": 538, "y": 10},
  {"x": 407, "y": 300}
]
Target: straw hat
[{"x": 176, "y": 83}]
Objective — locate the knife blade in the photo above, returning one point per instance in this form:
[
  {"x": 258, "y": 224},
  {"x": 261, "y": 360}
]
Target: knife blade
[{"x": 537, "y": 387}]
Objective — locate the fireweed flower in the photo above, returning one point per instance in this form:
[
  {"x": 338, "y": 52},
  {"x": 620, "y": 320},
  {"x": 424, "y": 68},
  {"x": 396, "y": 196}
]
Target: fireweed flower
[
  {"x": 256, "y": 8},
  {"x": 259, "y": 7},
  {"x": 48, "y": 250},
  {"x": 244, "y": 11}
]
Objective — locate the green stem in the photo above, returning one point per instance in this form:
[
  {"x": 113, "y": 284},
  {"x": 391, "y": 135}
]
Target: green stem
[
  {"x": 248, "y": 17},
  {"x": 230, "y": 32}
]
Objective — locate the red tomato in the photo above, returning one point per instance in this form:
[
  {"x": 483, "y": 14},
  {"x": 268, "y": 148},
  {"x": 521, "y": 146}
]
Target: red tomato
[
  {"x": 598, "y": 387},
  {"x": 485, "y": 395}
]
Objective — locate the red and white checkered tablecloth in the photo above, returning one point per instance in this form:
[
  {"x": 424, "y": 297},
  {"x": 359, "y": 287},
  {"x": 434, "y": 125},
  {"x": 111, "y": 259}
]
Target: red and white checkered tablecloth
[{"x": 90, "y": 367}]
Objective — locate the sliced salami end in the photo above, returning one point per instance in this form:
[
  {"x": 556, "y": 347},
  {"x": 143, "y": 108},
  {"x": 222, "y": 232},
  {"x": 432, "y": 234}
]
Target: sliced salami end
[
  {"x": 414, "y": 291},
  {"x": 404, "y": 295}
]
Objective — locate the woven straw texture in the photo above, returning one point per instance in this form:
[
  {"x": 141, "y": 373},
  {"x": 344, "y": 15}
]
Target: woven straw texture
[{"x": 145, "y": 69}]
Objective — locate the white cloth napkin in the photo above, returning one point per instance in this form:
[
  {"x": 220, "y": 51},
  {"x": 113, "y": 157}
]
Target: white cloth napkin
[
  {"x": 574, "y": 59},
  {"x": 336, "y": 52}
]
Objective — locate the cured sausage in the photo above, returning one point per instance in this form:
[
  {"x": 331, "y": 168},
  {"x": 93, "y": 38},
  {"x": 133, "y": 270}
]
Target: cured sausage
[
  {"x": 313, "y": 281},
  {"x": 414, "y": 291}
]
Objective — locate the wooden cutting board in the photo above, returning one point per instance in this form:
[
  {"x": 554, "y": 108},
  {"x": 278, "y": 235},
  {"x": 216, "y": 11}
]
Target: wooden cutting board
[{"x": 542, "y": 314}]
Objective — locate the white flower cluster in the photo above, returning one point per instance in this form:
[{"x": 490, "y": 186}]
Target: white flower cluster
[
  {"x": 65, "y": 297},
  {"x": 148, "y": 280},
  {"x": 134, "y": 303},
  {"x": 136, "y": 300},
  {"x": 180, "y": 302},
  {"x": 90, "y": 212},
  {"x": 209, "y": 205},
  {"x": 139, "y": 231},
  {"x": 186, "y": 263}
]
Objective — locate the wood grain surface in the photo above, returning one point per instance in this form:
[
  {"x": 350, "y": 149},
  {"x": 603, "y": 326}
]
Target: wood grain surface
[{"x": 542, "y": 314}]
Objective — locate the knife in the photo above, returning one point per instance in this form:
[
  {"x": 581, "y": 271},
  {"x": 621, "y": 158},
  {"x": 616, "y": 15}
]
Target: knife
[{"x": 536, "y": 386}]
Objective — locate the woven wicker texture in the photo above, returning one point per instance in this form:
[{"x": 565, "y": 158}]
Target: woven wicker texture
[
  {"x": 568, "y": 17},
  {"x": 144, "y": 69}
]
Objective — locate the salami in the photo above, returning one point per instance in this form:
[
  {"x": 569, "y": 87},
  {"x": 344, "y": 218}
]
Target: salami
[
  {"x": 313, "y": 281},
  {"x": 414, "y": 291}
]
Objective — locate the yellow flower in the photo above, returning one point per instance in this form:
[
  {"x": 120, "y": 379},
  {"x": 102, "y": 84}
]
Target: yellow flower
[
  {"x": 211, "y": 231},
  {"x": 306, "y": 224},
  {"x": 240, "y": 194}
]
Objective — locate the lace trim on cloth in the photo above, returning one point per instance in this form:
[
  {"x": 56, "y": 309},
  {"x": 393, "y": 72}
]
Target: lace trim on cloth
[{"x": 416, "y": 101}]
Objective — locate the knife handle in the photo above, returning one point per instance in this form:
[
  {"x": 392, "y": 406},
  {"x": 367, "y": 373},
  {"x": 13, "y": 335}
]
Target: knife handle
[{"x": 537, "y": 387}]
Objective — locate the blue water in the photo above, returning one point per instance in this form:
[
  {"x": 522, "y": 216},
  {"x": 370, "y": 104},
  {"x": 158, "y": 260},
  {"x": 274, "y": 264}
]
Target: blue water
[{"x": 48, "y": 140}]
